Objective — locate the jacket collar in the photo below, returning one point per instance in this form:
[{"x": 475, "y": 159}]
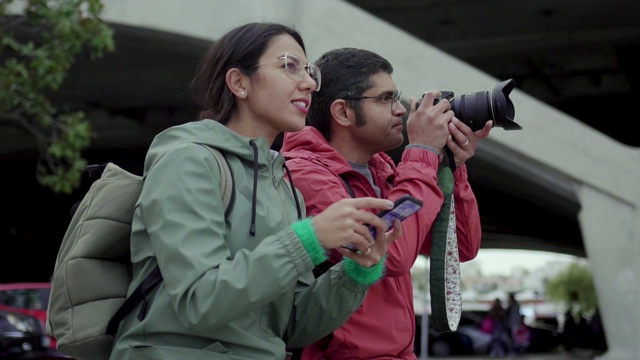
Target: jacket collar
[{"x": 309, "y": 144}]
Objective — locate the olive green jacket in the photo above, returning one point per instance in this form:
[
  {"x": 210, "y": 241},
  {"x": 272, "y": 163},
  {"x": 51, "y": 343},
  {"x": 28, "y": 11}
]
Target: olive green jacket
[{"x": 226, "y": 294}]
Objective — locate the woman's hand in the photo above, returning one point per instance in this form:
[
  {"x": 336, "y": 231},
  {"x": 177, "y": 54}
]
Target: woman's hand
[
  {"x": 346, "y": 222},
  {"x": 375, "y": 252}
]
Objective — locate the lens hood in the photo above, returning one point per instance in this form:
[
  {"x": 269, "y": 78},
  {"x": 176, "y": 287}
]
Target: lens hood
[
  {"x": 502, "y": 108},
  {"x": 475, "y": 109}
]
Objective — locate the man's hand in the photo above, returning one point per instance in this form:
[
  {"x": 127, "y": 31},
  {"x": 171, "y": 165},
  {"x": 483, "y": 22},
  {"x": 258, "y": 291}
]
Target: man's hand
[
  {"x": 463, "y": 142},
  {"x": 427, "y": 125}
]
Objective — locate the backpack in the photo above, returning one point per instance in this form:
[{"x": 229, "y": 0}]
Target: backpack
[{"x": 93, "y": 269}]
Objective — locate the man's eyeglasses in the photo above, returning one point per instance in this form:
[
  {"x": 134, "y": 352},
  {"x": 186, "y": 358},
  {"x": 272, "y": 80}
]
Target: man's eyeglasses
[
  {"x": 295, "y": 68},
  {"x": 393, "y": 98}
]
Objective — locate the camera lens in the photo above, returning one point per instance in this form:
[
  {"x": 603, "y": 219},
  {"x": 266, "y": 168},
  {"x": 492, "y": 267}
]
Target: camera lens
[{"x": 475, "y": 109}]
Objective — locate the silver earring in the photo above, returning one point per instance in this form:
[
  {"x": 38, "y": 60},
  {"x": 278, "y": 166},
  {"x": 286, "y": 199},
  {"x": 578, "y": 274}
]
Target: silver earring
[{"x": 242, "y": 93}]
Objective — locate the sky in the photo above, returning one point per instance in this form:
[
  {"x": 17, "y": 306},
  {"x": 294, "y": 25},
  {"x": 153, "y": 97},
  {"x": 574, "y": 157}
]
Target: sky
[{"x": 503, "y": 261}]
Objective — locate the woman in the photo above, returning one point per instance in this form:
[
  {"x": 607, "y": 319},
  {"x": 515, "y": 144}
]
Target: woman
[{"x": 240, "y": 286}]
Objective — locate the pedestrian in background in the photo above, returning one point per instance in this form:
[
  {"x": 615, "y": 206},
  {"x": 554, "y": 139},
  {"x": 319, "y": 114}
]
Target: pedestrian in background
[
  {"x": 513, "y": 317},
  {"x": 494, "y": 324},
  {"x": 521, "y": 337}
]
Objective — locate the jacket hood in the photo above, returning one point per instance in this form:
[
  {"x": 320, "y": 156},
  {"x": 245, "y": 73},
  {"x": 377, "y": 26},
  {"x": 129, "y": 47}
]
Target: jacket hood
[
  {"x": 256, "y": 152},
  {"x": 309, "y": 144},
  {"x": 208, "y": 132}
]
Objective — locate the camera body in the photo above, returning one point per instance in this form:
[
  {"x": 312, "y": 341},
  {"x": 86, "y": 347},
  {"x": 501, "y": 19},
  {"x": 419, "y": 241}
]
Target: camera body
[{"x": 475, "y": 109}]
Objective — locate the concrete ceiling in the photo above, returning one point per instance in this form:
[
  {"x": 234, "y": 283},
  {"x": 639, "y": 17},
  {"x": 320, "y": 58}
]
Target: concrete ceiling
[{"x": 579, "y": 56}]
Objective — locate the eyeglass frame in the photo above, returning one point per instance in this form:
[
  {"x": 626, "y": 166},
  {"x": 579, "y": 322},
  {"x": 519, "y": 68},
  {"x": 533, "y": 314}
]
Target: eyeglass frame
[
  {"x": 309, "y": 65},
  {"x": 395, "y": 96}
]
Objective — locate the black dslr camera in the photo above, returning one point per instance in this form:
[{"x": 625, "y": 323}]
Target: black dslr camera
[{"x": 475, "y": 109}]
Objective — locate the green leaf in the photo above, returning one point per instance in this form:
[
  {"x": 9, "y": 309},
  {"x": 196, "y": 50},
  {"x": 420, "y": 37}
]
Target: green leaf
[{"x": 32, "y": 69}]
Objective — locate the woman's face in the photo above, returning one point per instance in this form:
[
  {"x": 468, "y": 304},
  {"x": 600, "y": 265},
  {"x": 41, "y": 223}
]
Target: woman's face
[{"x": 275, "y": 102}]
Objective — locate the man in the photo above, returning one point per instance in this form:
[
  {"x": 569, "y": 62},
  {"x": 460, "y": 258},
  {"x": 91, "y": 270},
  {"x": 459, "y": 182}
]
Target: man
[{"x": 354, "y": 119}]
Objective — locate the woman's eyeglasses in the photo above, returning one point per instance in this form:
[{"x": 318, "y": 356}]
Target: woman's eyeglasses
[
  {"x": 295, "y": 68},
  {"x": 394, "y": 98}
]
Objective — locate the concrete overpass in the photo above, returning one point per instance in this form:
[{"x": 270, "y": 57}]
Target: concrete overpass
[{"x": 558, "y": 185}]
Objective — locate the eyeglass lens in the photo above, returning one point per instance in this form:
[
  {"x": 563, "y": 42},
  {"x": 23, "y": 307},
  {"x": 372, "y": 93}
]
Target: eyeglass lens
[
  {"x": 295, "y": 69},
  {"x": 395, "y": 99}
]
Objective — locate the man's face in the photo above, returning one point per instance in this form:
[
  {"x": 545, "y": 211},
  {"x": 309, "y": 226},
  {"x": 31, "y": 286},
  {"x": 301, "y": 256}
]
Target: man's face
[{"x": 378, "y": 127}]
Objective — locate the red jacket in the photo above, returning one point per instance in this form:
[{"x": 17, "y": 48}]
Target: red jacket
[{"x": 384, "y": 326}]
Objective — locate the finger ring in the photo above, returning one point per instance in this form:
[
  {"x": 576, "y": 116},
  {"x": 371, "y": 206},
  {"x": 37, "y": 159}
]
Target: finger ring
[
  {"x": 368, "y": 251},
  {"x": 465, "y": 143}
]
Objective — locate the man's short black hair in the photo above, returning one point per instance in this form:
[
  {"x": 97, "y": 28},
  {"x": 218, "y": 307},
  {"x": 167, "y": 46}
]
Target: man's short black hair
[{"x": 345, "y": 72}]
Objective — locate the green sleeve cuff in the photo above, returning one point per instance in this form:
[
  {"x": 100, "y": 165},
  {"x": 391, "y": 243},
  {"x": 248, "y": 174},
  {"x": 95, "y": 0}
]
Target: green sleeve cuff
[
  {"x": 307, "y": 234},
  {"x": 362, "y": 275}
]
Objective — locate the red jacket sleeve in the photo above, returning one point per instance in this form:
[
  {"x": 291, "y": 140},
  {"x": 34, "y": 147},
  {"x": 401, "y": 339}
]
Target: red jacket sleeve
[
  {"x": 416, "y": 175},
  {"x": 468, "y": 226}
]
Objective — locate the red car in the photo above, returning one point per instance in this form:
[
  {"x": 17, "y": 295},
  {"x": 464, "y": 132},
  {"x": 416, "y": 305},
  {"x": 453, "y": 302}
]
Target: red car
[{"x": 30, "y": 299}]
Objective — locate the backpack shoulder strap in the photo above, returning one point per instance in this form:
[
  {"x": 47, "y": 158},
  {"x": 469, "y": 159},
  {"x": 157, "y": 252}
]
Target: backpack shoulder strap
[
  {"x": 347, "y": 186},
  {"x": 227, "y": 183},
  {"x": 326, "y": 265},
  {"x": 139, "y": 295}
]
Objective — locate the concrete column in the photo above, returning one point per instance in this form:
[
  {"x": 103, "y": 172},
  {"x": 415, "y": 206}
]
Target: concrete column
[{"x": 611, "y": 239}]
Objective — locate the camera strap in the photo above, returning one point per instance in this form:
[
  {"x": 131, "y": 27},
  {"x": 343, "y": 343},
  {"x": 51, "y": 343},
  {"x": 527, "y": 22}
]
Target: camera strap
[{"x": 444, "y": 274}]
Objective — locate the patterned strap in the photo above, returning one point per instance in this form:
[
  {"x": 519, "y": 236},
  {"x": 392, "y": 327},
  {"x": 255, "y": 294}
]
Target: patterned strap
[{"x": 444, "y": 275}]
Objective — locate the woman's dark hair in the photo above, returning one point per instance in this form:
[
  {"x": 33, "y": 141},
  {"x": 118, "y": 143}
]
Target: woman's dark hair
[
  {"x": 345, "y": 72},
  {"x": 240, "y": 48}
]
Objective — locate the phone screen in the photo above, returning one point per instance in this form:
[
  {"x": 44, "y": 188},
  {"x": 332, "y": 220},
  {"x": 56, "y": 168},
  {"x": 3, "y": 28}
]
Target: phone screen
[{"x": 403, "y": 208}]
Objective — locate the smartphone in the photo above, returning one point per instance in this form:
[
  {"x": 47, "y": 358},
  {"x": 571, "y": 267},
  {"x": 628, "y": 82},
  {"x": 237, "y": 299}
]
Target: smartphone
[{"x": 404, "y": 207}]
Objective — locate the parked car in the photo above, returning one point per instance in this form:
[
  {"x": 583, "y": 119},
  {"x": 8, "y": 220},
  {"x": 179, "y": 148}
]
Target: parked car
[
  {"x": 544, "y": 338},
  {"x": 29, "y": 298},
  {"x": 21, "y": 336},
  {"x": 469, "y": 339}
]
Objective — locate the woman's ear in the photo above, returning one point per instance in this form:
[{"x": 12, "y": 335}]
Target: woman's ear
[
  {"x": 236, "y": 83},
  {"x": 341, "y": 113}
]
